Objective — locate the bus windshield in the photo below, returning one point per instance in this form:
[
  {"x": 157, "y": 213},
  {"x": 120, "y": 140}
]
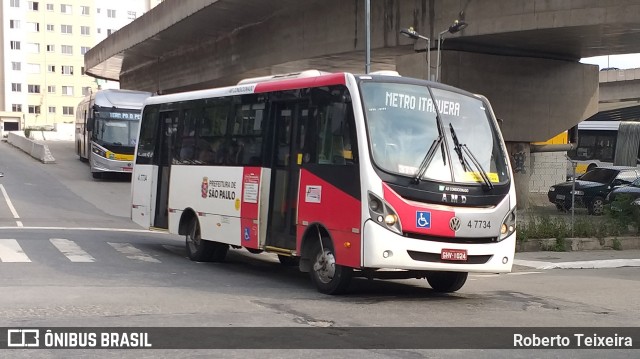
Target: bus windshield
[
  {"x": 402, "y": 124},
  {"x": 116, "y": 132}
]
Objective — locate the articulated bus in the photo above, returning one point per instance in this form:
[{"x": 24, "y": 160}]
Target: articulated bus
[
  {"x": 342, "y": 175},
  {"x": 107, "y": 123},
  {"x": 606, "y": 143}
]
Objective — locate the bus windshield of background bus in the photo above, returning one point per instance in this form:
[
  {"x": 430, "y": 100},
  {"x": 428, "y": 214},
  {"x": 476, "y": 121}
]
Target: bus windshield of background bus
[
  {"x": 116, "y": 132},
  {"x": 402, "y": 125}
]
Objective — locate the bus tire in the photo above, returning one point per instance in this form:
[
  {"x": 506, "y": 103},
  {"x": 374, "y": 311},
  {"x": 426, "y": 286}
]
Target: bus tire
[
  {"x": 198, "y": 249},
  {"x": 446, "y": 282},
  {"x": 328, "y": 277},
  {"x": 218, "y": 252},
  {"x": 288, "y": 261}
]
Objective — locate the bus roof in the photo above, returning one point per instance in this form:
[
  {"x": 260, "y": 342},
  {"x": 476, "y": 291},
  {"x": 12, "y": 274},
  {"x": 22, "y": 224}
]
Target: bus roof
[{"x": 127, "y": 99}]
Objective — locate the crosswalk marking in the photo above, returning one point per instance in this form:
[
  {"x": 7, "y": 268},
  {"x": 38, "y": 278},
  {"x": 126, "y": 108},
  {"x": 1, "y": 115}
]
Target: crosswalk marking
[
  {"x": 10, "y": 251},
  {"x": 71, "y": 250},
  {"x": 132, "y": 252}
]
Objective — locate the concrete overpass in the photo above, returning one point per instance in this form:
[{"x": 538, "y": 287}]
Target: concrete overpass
[{"x": 522, "y": 54}]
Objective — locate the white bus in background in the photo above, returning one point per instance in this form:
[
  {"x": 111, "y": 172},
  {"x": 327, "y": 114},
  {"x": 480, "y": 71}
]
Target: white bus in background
[
  {"x": 599, "y": 142},
  {"x": 339, "y": 174},
  {"x": 107, "y": 123}
]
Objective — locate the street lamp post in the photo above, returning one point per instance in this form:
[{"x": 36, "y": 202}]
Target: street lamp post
[
  {"x": 413, "y": 34},
  {"x": 455, "y": 27}
]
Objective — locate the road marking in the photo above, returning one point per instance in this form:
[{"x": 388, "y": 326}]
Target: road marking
[
  {"x": 595, "y": 264},
  {"x": 10, "y": 251},
  {"x": 10, "y": 205},
  {"x": 87, "y": 229},
  {"x": 132, "y": 252},
  {"x": 71, "y": 250}
]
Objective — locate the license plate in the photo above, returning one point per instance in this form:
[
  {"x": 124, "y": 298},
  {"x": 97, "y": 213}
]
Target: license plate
[
  {"x": 560, "y": 196},
  {"x": 453, "y": 255}
]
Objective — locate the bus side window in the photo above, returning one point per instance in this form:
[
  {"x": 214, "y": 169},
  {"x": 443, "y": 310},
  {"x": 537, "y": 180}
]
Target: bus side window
[
  {"x": 148, "y": 136},
  {"x": 336, "y": 137}
]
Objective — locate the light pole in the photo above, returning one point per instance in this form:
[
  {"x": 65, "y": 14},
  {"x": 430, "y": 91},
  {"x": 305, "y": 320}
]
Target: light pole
[
  {"x": 455, "y": 27},
  {"x": 413, "y": 34}
]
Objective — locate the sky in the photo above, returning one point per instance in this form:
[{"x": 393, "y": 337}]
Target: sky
[{"x": 630, "y": 61}]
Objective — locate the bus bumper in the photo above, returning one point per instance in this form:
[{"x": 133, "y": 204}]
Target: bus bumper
[
  {"x": 388, "y": 250},
  {"x": 101, "y": 164}
]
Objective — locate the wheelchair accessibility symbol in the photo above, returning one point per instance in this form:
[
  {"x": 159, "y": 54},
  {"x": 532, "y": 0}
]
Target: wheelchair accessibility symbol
[{"x": 423, "y": 219}]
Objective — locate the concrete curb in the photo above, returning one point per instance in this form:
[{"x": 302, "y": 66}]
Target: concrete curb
[{"x": 578, "y": 244}]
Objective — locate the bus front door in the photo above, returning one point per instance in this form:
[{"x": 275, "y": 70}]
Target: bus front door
[
  {"x": 285, "y": 175},
  {"x": 168, "y": 126}
]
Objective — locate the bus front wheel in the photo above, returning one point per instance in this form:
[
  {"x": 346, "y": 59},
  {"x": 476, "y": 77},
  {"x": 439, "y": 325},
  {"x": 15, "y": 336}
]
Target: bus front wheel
[
  {"x": 446, "y": 282},
  {"x": 329, "y": 277}
]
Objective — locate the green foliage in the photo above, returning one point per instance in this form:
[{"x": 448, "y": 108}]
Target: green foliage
[
  {"x": 617, "y": 245},
  {"x": 559, "y": 227},
  {"x": 624, "y": 213}
]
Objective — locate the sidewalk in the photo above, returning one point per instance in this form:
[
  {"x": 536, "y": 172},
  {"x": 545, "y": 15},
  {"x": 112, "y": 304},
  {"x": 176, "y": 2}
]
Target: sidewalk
[{"x": 579, "y": 259}]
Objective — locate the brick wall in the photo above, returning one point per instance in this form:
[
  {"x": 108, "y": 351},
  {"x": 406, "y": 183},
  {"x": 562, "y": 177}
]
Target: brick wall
[{"x": 547, "y": 169}]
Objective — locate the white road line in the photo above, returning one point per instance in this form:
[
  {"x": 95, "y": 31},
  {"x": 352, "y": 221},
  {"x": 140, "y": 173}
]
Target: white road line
[
  {"x": 10, "y": 205},
  {"x": 595, "y": 264},
  {"x": 10, "y": 251},
  {"x": 71, "y": 250},
  {"x": 132, "y": 252}
]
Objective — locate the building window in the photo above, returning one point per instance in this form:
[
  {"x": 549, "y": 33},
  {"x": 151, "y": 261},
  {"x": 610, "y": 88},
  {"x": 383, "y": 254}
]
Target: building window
[
  {"x": 67, "y": 70},
  {"x": 33, "y": 48},
  {"x": 84, "y": 49},
  {"x": 82, "y": 70},
  {"x": 51, "y": 68},
  {"x": 111, "y": 13},
  {"x": 33, "y": 26},
  {"x": 67, "y": 49},
  {"x": 52, "y": 109},
  {"x": 67, "y": 90},
  {"x": 66, "y": 29},
  {"x": 51, "y": 48},
  {"x": 84, "y": 30},
  {"x": 34, "y": 109},
  {"x": 49, "y": 7},
  {"x": 16, "y": 87},
  {"x": 33, "y": 68},
  {"x": 33, "y": 88},
  {"x": 15, "y": 3},
  {"x": 16, "y": 66},
  {"x": 131, "y": 15},
  {"x": 84, "y": 10},
  {"x": 99, "y": 31},
  {"x": 65, "y": 9},
  {"x": 67, "y": 110},
  {"x": 51, "y": 89},
  {"x": 16, "y": 107},
  {"x": 33, "y": 5},
  {"x": 15, "y": 45},
  {"x": 50, "y": 27},
  {"x": 14, "y": 24},
  {"x": 109, "y": 32}
]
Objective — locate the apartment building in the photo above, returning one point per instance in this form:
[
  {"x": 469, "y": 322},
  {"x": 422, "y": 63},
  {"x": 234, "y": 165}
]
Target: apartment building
[{"x": 42, "y": 54}]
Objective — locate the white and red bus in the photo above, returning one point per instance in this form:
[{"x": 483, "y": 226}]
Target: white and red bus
[{"x": 342, "y": 175}]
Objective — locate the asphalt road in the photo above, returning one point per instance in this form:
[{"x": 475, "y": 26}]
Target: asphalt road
[{"x": 82, "y": 263}]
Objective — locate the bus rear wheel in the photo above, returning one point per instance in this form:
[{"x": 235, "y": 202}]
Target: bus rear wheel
[
  {"x": 201, "y": 250},
  {"x": 329, "y": 277},
  {"x": 446, "y": 282}
]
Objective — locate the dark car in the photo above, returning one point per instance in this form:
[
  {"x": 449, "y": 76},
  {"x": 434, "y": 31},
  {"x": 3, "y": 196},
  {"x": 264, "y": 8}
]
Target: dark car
[
  {"x": 632, "y": 191},
  {"x": 592, "y": 188}
]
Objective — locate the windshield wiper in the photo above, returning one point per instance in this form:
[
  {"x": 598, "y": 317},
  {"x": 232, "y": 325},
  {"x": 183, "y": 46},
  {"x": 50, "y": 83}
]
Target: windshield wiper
[
  {"x": 462, "y": 149},
  {"x": 429, "y": 157}
]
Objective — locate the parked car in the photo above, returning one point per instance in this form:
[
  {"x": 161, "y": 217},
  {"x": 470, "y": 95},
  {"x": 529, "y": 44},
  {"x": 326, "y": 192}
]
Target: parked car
[
  {"x": 592, "y": 188},
  {"x": 632, "y": 191}
]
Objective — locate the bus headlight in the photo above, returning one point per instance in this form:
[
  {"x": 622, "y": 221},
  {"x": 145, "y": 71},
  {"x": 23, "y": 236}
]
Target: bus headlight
[
  {"x": 383, "y": 214},
  {"x": 508, "y": 224},
  {"x": 98, "y": 151}
]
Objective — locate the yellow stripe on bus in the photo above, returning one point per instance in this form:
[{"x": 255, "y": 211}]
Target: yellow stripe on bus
[
  {"x": 118, "y": 157},
  {"x": 475, "y": 176}
]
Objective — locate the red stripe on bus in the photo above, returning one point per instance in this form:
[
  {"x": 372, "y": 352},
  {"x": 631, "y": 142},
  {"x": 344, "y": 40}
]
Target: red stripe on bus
[
  {"x": 408, "y": 213},
  {"x": 305, "y": 82}
]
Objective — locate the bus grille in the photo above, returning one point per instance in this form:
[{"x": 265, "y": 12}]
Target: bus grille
[
  {"x": 470, "y": 240},
  {"x": 435, "y": 258}
]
